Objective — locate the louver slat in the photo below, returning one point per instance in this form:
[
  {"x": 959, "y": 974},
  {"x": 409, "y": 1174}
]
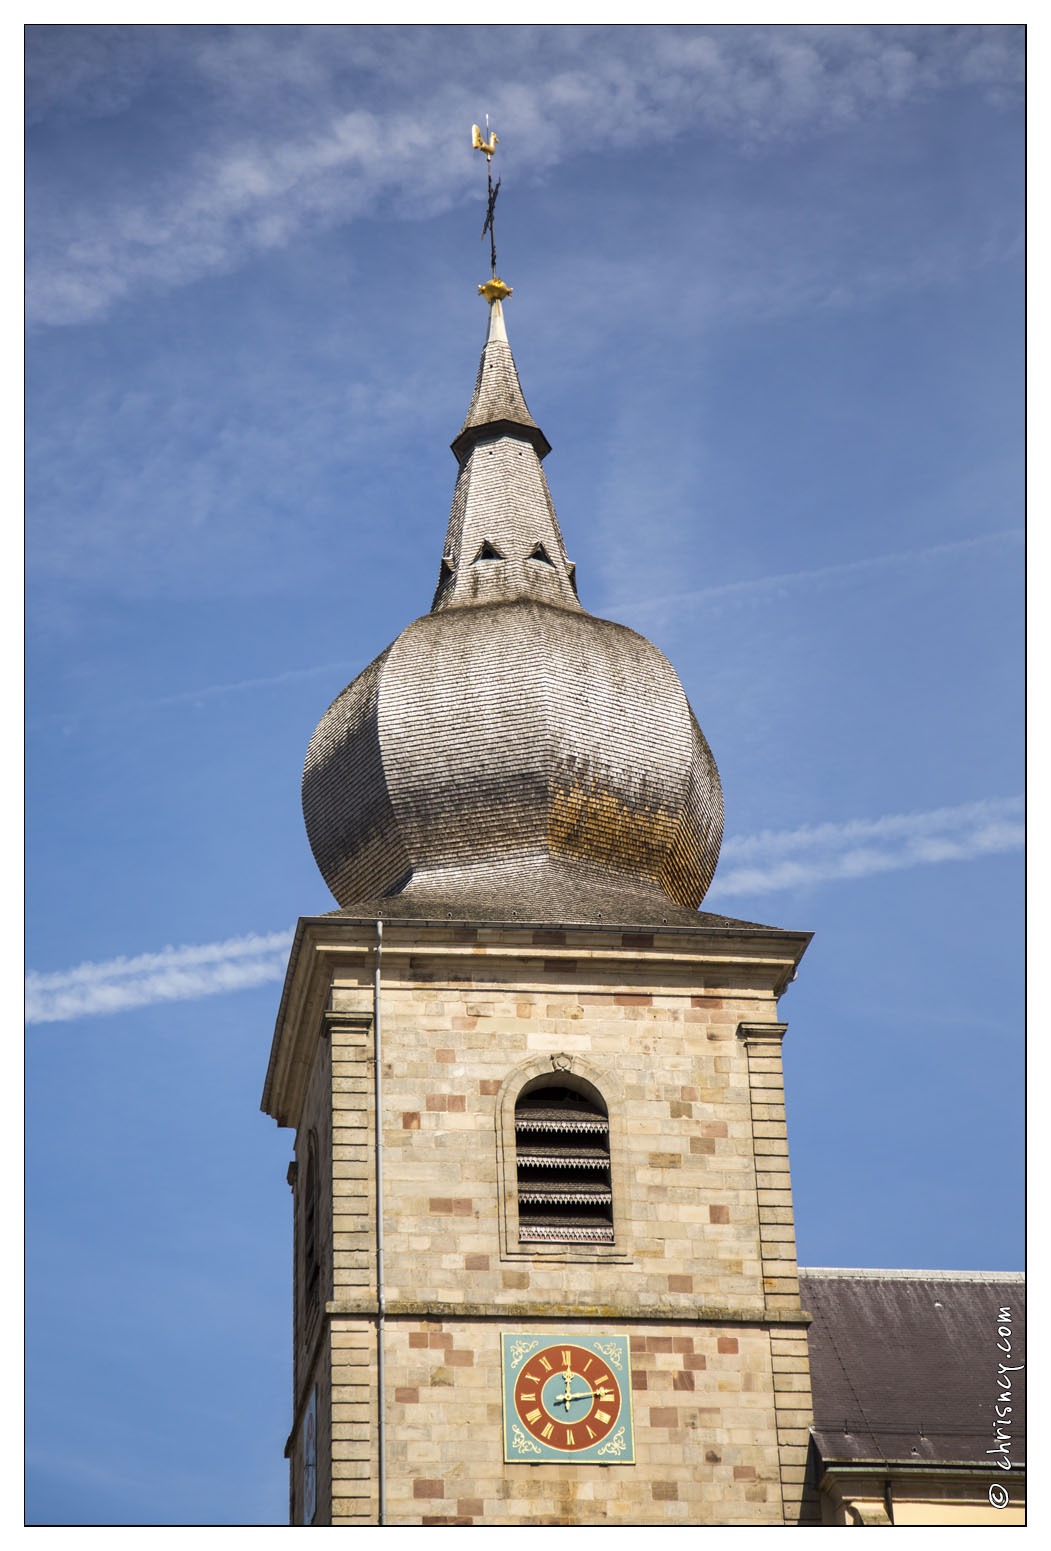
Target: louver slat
[{"x": 564, "y": 1189}]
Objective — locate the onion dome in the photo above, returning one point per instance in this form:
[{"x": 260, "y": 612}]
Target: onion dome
[{"x": 510, "y": 755}]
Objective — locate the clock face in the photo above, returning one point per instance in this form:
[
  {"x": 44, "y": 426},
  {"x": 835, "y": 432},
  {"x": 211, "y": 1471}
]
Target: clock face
[{"x": 567, "y": 1398}]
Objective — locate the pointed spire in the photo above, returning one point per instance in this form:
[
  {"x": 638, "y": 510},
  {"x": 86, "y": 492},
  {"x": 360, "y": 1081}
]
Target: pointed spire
[
  {"x": 509, "y": 756},
  {"x": 498, "y": 407},
  {"x": 503, "y": 541}
]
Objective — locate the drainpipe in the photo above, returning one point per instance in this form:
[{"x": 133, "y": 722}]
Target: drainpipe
[{"x": 381, "y": 1432}]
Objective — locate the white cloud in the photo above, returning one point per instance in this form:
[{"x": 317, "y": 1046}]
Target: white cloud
[
  {"x": 621, "y": 560},
  {"x": 195, "y": 697},
  {"x": 825, "y": 853},
  {"x": 276, "y": 151},
  {"x": 220, "y": 691},
  {"x": 148, "y": 487},
  {"x": 766, "y": 862},
  {"x": 88, "y": 72},
  {"x": 827, "y": 573},
  {"x": 172, "y": 975}
]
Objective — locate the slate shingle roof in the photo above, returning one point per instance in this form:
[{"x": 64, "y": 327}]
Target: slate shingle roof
[
  {"x": 904, "y": 1364},
  {"x": 498, "y": 399},
  {"x": 511, "y": 755}
]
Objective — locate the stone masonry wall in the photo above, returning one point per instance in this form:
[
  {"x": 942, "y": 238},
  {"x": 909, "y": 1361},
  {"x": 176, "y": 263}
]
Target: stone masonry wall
[
  {"x": 702, "y": 1273},
  {"x": 705, "y": 1445},
  {"x": 690, "y": 1232}
]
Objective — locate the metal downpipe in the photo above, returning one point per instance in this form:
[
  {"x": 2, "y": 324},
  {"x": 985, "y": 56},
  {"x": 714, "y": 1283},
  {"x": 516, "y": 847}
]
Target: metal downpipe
[{"x": 381, "y": 1430}]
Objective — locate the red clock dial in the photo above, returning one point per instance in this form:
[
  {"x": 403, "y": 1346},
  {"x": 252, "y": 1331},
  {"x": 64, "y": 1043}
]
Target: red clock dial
[{"x": 567, "y": 1398}]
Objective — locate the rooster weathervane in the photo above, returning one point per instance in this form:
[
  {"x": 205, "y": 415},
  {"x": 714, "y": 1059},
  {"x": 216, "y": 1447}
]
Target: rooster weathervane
[{"x": 494, "y": 289}]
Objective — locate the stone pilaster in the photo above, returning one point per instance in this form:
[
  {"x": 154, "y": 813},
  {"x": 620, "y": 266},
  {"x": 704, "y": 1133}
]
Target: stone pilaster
[
  {"x": 354, "y": 1400},
  {"x": 353, "y": 1342},
  {"x": 789, "y": 1358}
]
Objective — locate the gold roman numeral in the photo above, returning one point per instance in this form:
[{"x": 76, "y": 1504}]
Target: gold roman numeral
[
  {"x": 587, "y": 1429},
  {"x": 566, "y": 1359},
  {"x": 545, "y": 1364},
  {"x": 587, "y": 1365},
  {"x": 569, "y": 1435},
  {"x": 534, "y": 1415},
  {"x": 547, "y": 1431},
  {"x": 530, "y": 1396},
  {"x": 535, "y": 1378},
  {"x": 603, "y": 1416}
]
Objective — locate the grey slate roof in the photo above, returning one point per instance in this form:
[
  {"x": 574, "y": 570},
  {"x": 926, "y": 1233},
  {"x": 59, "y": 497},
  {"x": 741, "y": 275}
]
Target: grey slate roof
[
  {"x": 498, "y": 401},
  {"x": 542, "y": 892},
  {"x": 904, "y": 1364},
  {"x": 502, "y": 502},
  {"x": 510, "y": 752}
]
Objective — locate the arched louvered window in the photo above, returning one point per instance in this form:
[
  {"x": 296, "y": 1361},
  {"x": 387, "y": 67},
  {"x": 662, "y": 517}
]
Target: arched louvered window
[
  {"x": 564, "y": 1187},
  {"x": 311, "y": 1229}
]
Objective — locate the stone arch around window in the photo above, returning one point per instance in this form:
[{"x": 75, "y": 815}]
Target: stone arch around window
[{"x": 601, "y": 1094}]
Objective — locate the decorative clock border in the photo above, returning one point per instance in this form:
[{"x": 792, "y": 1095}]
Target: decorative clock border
[{"x": 522, "y": 1446}]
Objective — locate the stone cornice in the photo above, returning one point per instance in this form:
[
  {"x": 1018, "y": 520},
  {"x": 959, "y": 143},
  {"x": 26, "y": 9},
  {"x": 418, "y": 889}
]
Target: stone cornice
[
  {"x": 705, "y": 1313},
  {"x": 767, "y": 956},
  {"x": 762, "y": 1033}
]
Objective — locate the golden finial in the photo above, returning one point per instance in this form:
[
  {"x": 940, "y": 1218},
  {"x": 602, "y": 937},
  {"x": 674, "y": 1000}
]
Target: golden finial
[{"x": 494, "y": 290}]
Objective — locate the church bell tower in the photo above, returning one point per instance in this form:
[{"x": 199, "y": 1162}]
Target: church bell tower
[{"x": 545, "y": 1266}]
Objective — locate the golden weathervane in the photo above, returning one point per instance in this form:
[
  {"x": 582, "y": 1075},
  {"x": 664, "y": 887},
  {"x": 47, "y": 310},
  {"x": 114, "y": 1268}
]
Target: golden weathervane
[{"x": 494, "y": 289}]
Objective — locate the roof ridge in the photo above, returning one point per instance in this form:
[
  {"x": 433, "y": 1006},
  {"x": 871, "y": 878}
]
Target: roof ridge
[{"x": 876, "y": 1274}]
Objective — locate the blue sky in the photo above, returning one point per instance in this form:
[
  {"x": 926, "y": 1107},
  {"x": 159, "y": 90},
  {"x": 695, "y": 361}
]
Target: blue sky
[{"x": 768, "y": 310}]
